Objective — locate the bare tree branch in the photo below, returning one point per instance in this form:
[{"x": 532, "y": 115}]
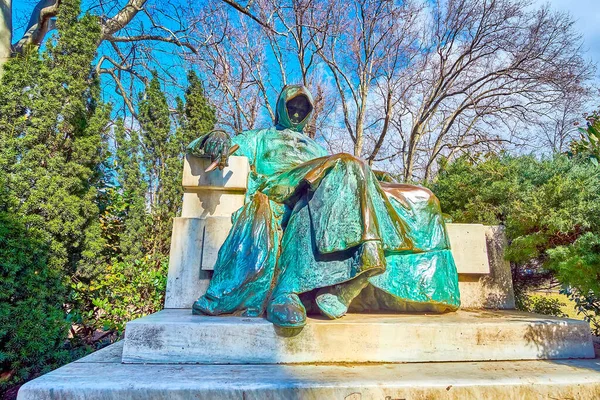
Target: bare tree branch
[{"x": 39, "y": 25}]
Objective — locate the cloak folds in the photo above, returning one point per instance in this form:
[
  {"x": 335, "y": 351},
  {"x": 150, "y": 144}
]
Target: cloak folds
[{"x": 324, "y": 228}]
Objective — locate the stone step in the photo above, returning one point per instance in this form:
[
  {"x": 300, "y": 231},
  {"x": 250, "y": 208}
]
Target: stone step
[
  {"x": 177, "y": 336},
  {"x": 101, "y": 376}
]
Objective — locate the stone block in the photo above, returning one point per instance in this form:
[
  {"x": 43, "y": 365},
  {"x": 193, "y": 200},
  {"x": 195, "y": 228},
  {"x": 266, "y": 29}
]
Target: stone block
[
  {"x": 215, "y": 232},
  {"x": 185, "y": 279},
  {"x": 493, "y": 290},
  {"x": 177, "y": 336},
  {"x": 231, "y": 178},
  {"x": 105, "y": 378},
  {"x": 211, "y": 203},
  {"x": 469, "y": 248},
  {"x": 195, "y": 244}
]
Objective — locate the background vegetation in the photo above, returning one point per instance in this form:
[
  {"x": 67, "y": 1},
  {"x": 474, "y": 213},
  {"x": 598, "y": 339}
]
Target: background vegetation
[
  {"x": 549, "y": 207},
  {"x": 86, "y": 201}
]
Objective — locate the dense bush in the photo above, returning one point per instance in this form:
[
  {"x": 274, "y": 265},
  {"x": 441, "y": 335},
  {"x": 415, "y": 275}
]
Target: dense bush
[
  {"x": 123, "y": 292},
  {"x": 543, "y": 305},
  {"x": 91, "y": 201},
  {"x": 549, "y": 207},
  {"x": 33, "y": 329},
  {"x": 52, "y": 127},
  {"x": 588, "y": 305},
  {"x": 588, "y": 144}
]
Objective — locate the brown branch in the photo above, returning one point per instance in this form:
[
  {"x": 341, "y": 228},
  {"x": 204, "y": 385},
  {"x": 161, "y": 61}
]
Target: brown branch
[
  {"x": 174, "y": 40},
  {"x": 244, "y": 10},
  {"x": 39, "y": 25},
  {"x": 122, "y": 18}
]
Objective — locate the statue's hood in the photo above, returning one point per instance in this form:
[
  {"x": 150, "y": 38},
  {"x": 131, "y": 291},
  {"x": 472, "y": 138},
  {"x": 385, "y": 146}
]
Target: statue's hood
[{"x": 294, "y": 107}]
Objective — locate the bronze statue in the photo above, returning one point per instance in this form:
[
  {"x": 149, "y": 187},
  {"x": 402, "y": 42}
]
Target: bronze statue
[{"x": 322, "y": 232}]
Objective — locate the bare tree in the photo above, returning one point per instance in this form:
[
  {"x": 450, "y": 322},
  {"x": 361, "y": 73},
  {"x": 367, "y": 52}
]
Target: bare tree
[
  {"x": 493, "y": 62},
  {"x": 361, "y": 48},
  {"x": 232, "y": 64},
  {"x": 127, "y": 50},
  {"x": 558, "y": 127}
]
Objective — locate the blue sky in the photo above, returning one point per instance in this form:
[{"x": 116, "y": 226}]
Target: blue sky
[
  {"x": 586, "y": 13},
  {"x": 587, "y": 16}
]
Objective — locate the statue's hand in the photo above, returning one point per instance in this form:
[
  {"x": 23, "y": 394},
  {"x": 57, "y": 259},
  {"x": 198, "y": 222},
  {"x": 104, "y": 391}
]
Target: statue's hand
[{"x": 214, "y": 144}]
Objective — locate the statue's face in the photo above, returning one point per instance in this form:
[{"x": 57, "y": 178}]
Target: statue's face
[{"x": 298, "y": 108}]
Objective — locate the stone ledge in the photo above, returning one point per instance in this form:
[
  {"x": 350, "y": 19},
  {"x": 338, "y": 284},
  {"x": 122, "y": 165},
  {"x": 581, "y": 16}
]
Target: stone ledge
[
  {"x": 232, "y": 178},
  {"x": 176, "y": 336},
  {"x": 101, "y": 378},
  {"x": 469, "y": 248}
]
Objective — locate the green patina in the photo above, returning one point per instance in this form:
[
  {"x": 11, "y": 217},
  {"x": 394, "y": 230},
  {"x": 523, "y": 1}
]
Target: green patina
[{"x": 322, "y": 232}]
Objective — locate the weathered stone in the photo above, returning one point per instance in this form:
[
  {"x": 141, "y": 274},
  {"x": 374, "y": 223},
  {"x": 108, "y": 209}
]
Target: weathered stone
[
  {"x": 186, "y": 280},
  {"x": 105, "y": 379},
  {"x": 469, "y": 249},
  {"x": 493, "y": 290},
  {"x": 195, "y": 244},
  {"x": 177, "y": 336},
  {"x": 205, "y": 204},
  {"x": 5, "y": 32},
  {"x": 232, "y": 178}
]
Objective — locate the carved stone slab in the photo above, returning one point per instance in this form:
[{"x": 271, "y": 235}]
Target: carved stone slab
[
  {"x": 231, "y": 178},
  {"x": 177, "y": 336},
  {"x": 105, "y": 378},
  {"x": 469, "y": 248}
]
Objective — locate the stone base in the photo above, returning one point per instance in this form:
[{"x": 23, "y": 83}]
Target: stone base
[
  {"x": 177, "y": 336},
  {"x": 101, "y": 376}
]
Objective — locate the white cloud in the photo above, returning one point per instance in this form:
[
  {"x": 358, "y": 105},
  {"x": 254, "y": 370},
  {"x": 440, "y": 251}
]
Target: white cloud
[{"x": 587, "y": 16}]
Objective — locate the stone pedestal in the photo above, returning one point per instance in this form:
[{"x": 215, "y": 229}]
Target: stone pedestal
[
  {"x": 102, "y": 376},
  {"x": 485, "y": 351},
  {"x": 177, "y": 336},
  {"x": 209, "y": 200}
]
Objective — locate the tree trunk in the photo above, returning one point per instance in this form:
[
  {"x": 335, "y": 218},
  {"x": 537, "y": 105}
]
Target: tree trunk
[
  {"x": 415, "y": 137},
  {"x": 358, "y": 145},
  {"x": 5, "y": 31}
]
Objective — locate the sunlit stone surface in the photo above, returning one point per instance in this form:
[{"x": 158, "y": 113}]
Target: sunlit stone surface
[
  {"x": 101, "y": 376},
  {"x": 176, "y": 336},
  {"x": 471, "y": 354}
]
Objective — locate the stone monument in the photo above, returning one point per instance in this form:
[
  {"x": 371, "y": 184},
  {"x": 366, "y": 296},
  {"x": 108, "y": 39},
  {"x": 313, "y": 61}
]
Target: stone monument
[{"x": 485, "y": 349}]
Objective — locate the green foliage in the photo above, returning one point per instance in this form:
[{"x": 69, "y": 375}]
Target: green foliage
[
  {"x": 578, "y": 263},
  {"x": 52, "y": 148},
  {"x": 128, "y": 204},
  {"x": 547, "y": 207},
  {"x": 51, "y": 142},
  {"x": 32, "y": 323},
  {"x": 543, "y": 305},
  {"x": 588, "y": 144},
  {"x": 150, "y": 163},
  {"x": 123, "y": 292},
  {"x": 84, "y": 234},
  {"x": 161, "y": 157},
  {"x": 587, "y": 305},
  {"x": 197, "y": 116}
]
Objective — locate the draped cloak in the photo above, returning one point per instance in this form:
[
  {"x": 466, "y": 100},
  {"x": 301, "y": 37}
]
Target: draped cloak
[{"x": 305, "y": 222}]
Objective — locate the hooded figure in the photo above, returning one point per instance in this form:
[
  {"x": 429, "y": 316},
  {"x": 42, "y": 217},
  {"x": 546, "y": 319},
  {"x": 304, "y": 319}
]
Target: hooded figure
[{"x": 321, "y": 232}]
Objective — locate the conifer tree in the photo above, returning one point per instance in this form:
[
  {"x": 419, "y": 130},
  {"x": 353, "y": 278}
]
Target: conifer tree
[
  {"x": 160, "y": 149},
  {"x": 133, "y": 238},
  {"x": 52, "y": 129},
  {"x": 198, "y": 115},
  {"x": 51, "y": 142}
]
